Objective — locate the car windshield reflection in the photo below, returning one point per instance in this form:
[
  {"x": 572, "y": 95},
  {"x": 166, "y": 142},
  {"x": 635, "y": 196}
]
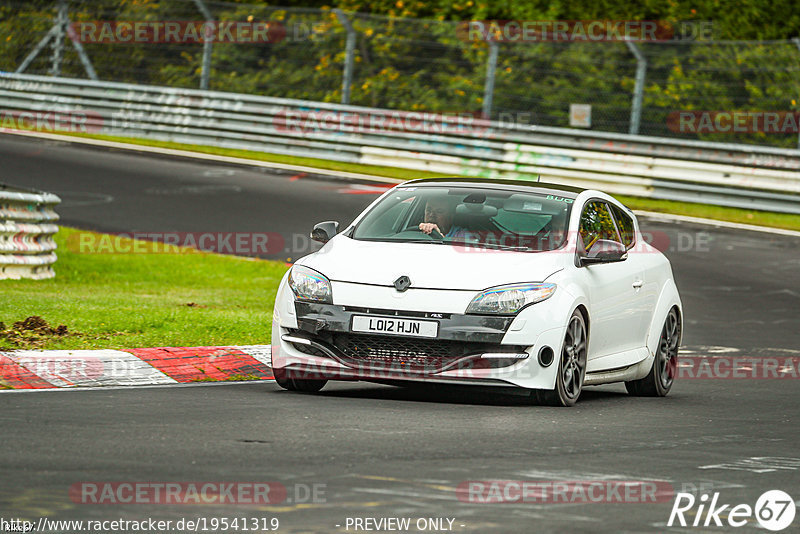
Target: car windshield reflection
[{"x": 469, "y": 216}]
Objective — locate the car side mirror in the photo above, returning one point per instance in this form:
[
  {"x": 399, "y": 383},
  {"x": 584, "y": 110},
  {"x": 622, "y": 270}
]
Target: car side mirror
[
  {"x": 324, "y": 231},
  {"x": 604, "y": 251}
]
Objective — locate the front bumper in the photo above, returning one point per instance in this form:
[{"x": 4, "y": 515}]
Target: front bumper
[
  {"x": 463, "y": 341},
  {"x": 317, "y": 341}
]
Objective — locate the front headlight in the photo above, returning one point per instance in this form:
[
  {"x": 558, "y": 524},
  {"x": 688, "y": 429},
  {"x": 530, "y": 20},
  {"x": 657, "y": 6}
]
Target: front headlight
[
  {"x": 510, "y": 299},
  {"x": 309, "y": 285}
]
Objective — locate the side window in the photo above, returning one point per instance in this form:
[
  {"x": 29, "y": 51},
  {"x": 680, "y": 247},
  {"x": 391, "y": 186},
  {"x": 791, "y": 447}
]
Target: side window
[
  {"x": 596, "y": 223},
  {"x": 625, "y": 225}
]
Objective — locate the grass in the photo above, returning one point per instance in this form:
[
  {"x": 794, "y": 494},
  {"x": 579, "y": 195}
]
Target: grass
[
  {"x": 232, "y": 378},
  {"x": 117, "y": 300},
  {"x": 738, "y": 215}
]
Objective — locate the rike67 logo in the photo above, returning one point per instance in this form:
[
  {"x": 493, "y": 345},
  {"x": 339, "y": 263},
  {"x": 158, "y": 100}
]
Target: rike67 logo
[{"x": 774, "y": 510}]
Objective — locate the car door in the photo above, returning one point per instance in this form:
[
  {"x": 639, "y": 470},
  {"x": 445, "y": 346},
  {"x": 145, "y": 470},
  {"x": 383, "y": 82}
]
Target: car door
[
  {"x": 645, "y": 292},
  {"x": 611, "y": 287}
]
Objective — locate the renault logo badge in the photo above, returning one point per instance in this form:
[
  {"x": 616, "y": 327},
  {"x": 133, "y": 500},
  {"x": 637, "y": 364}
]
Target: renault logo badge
[{"x": 402, "y": 283}]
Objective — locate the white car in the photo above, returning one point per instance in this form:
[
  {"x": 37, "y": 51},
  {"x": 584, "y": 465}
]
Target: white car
[{"x": 490, "y": 282}]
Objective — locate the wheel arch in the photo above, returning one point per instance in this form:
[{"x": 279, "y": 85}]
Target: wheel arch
[
  {"x": 667, "y": 300},
  {"x": 585, "y": 313}
]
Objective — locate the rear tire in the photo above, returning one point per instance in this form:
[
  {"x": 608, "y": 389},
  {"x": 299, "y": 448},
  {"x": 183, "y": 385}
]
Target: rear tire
[
  {"x": 297, "y": 384},
  {"x": 665, "y": 364},
  {"x": 571, "y": 366}
]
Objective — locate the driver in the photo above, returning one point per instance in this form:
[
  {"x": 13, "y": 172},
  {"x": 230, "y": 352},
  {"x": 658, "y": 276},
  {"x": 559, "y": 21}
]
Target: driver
[
  {"x": 556, "y": 230},
  {"x": 439, "y": 215}
]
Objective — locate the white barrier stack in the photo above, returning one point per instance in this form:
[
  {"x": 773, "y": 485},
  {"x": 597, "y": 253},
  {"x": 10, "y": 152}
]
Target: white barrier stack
[{"x": 27, "y": 249}]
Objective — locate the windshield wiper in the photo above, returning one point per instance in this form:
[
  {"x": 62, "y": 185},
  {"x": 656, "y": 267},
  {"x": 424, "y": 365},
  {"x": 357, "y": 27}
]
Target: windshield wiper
[
  {"x": 502, "y": 247},
  {"x": 434, "y": 241}
]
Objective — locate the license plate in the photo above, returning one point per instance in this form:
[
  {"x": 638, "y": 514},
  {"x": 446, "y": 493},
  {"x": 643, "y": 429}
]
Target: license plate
[{"x": 398, "y": 327}]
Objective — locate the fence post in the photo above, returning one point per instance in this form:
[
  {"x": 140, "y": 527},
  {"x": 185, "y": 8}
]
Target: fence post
[
  {"x": 61, "y": 23},
  {"x": 84, "y": 57},
  {"x": 349, "y": 54},
  {"x": 208, "y": 44},
  {"x": 58, "y": 38},
  {"x": 638, "y": 91},
  {"x": 35, "y": 52},
  {"x": 488, "y": 89}
]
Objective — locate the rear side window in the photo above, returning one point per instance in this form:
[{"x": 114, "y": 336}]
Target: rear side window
[
  {"x": 596, "y": 223},
  {"x": 625, "y": 226}
]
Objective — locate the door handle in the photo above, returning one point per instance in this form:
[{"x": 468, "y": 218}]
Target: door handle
[{"x": 638, "y": 284}]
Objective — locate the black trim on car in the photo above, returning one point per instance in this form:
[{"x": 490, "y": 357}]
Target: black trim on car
[
  {"x": 315, "y": 318},
  {"x": 367, "y": 353},
  {"x": 579, "y": 240},
  {"x": 497, "y": 183}
]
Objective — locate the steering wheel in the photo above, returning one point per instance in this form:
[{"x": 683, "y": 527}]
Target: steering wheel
[{"x": 414, "y": 233}]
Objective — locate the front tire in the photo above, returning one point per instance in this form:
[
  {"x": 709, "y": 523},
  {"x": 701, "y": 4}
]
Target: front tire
[
  {"x": 665, "y": 365},
  {"x": 297, "y": 384},
  {"x": 571, "y": 366}
]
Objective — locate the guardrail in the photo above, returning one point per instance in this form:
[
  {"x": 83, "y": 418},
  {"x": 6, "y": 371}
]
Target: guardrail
[
  {"x": 752, "y": 177},
  {"x": 27, "y": 249}
]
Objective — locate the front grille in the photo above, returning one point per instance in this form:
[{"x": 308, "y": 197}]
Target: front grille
[{"x": 404, "y": 353}]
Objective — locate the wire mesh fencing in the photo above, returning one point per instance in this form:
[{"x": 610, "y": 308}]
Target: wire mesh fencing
[{"x": 734, "y": 92}]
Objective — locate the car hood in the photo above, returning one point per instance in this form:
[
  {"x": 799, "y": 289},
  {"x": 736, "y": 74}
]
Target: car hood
[{"x": 430, "y": 265}]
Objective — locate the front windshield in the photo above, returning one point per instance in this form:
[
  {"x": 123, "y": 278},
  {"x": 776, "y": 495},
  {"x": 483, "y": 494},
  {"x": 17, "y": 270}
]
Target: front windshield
[{"x": 469, "y": 216}]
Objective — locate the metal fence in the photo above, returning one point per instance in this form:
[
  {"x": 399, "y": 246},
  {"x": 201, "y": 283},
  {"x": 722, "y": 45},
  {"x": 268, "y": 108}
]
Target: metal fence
[
  {"x": 419, "y": 65},
  {"x": 27, "y": 249},
  {"x": 763, "y": 178}
]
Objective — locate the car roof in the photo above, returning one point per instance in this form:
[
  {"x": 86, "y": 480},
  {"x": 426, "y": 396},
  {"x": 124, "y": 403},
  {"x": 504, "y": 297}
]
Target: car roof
[{"x": 492, "y": 183}]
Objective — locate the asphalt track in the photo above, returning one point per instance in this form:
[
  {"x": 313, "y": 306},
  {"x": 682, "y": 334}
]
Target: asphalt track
[{"x": 381, "y": 451}]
